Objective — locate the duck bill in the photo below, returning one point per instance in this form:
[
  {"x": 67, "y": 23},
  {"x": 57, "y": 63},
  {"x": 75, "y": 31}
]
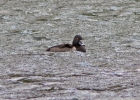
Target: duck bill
[{"x": 81, "y": 43}]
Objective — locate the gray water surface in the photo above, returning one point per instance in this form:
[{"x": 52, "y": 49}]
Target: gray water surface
[{"x": 109, "y": 70}]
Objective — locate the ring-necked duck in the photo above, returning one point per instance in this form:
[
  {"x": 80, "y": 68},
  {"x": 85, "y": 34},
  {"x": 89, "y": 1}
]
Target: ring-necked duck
[{"x": 76, "y": 45}]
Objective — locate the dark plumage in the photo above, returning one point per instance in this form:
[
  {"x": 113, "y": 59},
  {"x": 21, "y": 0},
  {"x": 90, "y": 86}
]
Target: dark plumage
[{"x": 76, "y": 45}]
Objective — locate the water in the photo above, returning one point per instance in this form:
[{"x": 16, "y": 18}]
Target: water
[{"x": 108, "y": 70}]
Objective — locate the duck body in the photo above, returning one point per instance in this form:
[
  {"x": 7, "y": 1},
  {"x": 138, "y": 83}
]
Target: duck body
[{"x": 76, "y": 45}]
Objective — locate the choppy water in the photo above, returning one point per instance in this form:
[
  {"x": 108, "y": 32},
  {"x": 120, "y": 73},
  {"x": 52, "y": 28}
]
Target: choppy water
[{"x": 109, "y": 69}]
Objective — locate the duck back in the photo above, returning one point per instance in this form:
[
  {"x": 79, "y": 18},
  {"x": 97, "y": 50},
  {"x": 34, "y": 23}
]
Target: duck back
[{"x": 61, "y": 48}]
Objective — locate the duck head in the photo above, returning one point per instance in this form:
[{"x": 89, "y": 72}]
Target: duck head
[{"x": 77, "y": 41}]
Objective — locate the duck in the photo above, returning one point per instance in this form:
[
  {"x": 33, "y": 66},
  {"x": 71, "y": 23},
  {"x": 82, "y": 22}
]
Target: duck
[{"x": 77, "y": 45}]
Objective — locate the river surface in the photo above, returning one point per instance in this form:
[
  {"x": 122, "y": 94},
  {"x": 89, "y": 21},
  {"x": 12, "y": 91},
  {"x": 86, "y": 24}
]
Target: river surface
[{"x": 109, "y": 70}]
